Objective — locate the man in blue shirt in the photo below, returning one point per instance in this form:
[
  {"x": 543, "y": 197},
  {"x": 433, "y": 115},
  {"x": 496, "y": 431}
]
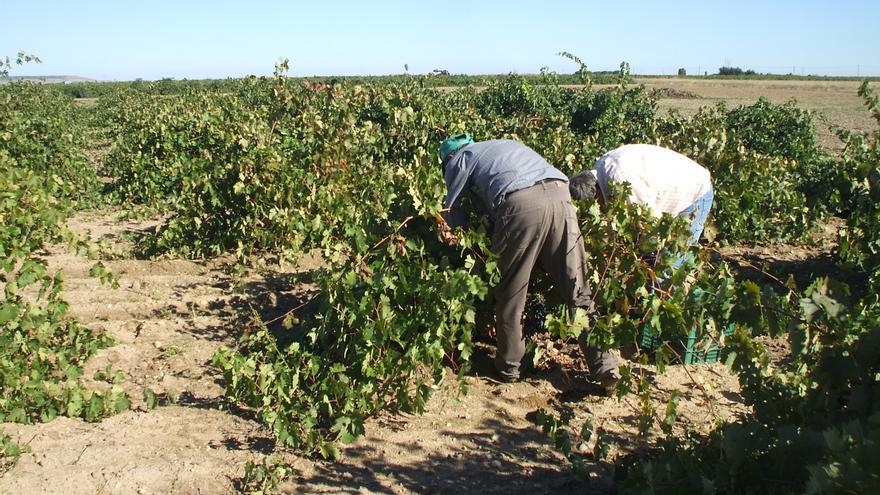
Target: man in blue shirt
[{"x": 535, "y": 222}]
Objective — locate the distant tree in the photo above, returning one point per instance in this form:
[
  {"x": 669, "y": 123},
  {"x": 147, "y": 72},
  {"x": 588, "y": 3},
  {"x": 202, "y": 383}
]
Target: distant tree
[
  {"x": 166, "y": 86},
  {"x": 77, "y": 90},
  {"x": 682, "y": 72},
  {"x": 735, "y": 71}
]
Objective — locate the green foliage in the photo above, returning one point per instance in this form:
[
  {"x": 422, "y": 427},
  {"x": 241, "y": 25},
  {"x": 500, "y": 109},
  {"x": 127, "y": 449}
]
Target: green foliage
[
  {"x": 637, "y": 288},
  {"x": 109, "y": 375},
  {"x": 351, "y": 169},
  {"x": 20, "y": 59},
  {"x": 586, "y": 446},
  {"x": 395, "y": 305},
  {"x": 859, "y": 244},
  {"x": 168, "y": 86},
  {"x": 42, "y": 349},
  {"x": 9, "y": 452},
  {"x": 44, "y": 177},
  {"x": 814, "y": 425},
  {"x": 515, "y": 96},
  {"x": 783, "y": 131},
  {"x": 628, "y": 251},
  {"x": 751, "y": 205},
  {"x": 277, "y": 166},
  {"x": 387, "y": 324},
  {"x": 614, "y": 117},
  {"x": 872, "y": 101},
  {"x": 582, "y": 72},
  {"x": 43, "y": 132},
  {"x": 349, "y": 166},
  {"x": 156, "y": 141},
  {"x": 734, "y": 71},
  {"x": 787, "y": 132},
  {"x": 267, "y": 164},
  {"x": 264, "y": 477},
  {"x": 151, "y": 400}
]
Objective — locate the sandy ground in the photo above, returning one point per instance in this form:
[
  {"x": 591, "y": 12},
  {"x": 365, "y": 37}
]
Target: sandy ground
[{"x": 168, "y": 317}]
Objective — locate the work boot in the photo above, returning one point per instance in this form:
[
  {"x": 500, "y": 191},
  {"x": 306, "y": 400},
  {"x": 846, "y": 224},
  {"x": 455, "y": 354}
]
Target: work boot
[
  {"x": 603, "y": 365},
  {"x": 508, "y": 377},
  {"x": 506, "y": 373}
]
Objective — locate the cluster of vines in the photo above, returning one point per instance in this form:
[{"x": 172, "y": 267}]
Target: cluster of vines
[{"x": 44, "y": 177}]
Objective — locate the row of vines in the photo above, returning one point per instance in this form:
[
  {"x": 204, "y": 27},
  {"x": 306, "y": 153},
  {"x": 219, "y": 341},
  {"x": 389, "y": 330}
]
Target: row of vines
[{"x": 44, "y": 177}]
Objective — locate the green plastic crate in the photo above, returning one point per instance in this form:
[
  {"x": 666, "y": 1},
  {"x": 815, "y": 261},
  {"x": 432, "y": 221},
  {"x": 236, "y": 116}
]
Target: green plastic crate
[{"x": 691, "y": 351}]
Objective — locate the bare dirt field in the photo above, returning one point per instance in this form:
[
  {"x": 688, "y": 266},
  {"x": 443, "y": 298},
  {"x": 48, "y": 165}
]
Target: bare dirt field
[
  {"x": 168, "y": 317},
  {"x": 837, "y": 101}
]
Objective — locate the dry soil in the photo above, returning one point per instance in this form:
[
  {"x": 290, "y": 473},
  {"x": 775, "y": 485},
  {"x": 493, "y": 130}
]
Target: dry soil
[{"x": 168, "y": 317}]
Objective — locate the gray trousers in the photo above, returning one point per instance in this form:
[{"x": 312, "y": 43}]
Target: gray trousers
[{"x": 538, "y": 225}]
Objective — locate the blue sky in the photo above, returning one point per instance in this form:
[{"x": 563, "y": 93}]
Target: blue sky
[{"x": 202, "y": 39}]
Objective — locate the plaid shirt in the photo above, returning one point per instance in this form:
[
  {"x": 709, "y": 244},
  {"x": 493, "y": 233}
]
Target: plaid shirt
[{"x": 665, "y": 181}]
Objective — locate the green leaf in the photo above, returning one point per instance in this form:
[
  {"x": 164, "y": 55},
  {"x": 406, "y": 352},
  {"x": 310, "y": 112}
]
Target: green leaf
[
  {"x": 330, "y": 451},
  {"x": 8, "y": 312},
  {"x": 121, "y": 403}
]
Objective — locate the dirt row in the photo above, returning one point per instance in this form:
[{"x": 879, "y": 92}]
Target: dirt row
[{"x": 169, "y": 316}]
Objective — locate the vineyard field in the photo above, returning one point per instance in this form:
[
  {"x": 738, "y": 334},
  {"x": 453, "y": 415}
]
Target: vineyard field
[{"x": 245, "y": 289}]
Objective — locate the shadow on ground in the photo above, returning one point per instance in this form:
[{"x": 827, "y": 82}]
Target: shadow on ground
[
  {"x": 495, "y": 458},
  {"x": 268, "y": 298}
]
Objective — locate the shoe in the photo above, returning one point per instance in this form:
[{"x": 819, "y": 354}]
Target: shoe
[
  {"x": 506, "y": 372},
  {"x": 507, "y": 377}
]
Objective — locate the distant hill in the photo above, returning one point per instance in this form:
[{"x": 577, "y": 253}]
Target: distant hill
[{"x": 51, "y": 79}]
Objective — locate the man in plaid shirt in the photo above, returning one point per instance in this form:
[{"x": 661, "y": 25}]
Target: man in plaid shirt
[{"x": 661, "y": 179}]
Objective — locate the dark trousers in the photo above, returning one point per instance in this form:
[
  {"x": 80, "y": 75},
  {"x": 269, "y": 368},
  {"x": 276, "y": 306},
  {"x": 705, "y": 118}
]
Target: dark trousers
[{"x": 536, "y": 225}]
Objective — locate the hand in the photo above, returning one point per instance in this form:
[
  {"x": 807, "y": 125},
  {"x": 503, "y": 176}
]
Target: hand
[
  {"x": 446, "y": 234},
  {"x": 448, "y": 237}
]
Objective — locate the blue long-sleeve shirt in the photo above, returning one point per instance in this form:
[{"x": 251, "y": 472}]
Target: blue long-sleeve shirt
[{"x": 492, "y": 169}]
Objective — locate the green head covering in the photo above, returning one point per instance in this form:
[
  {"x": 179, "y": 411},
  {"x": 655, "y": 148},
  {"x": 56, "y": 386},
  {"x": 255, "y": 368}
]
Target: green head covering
[{"x": 452, "y": 144}]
